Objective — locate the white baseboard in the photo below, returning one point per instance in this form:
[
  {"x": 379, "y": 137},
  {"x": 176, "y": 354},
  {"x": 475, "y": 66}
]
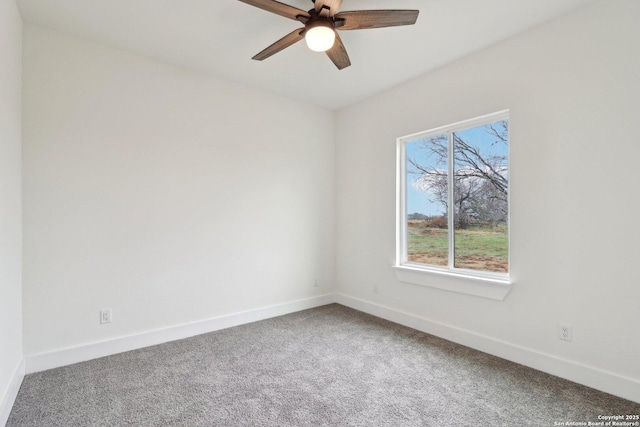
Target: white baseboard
[
  {"x": 11, "y": 393},
  {"x": 68, "y": 356},
  {"x": 608, "y": 382}
]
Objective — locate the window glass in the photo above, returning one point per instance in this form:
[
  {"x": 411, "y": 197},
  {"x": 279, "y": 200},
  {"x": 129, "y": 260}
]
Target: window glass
[
  {"x": 427, "y": 189},
  {"x": 454, "y": 199},
  {"x": 481, "y": 198}
]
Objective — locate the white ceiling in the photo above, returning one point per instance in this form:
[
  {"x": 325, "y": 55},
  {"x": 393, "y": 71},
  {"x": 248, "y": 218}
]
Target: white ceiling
[{"x": 219, "y": 37}]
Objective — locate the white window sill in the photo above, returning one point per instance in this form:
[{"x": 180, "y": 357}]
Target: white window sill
[{"x": 495, "y": 288}]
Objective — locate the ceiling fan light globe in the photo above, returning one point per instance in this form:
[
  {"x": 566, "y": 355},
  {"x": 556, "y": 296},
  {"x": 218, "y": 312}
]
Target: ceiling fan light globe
[{"x": 320, "y": 38}]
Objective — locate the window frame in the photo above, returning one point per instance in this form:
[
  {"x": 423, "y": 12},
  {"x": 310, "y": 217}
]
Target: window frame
[{"x": 482, "y": 283}]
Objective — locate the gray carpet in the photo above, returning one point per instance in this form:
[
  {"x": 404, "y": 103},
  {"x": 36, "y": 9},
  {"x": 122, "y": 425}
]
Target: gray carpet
[{"x": 329, "y": 366}]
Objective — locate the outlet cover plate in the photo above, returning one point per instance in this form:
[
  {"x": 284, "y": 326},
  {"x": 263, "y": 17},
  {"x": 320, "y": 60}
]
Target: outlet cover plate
[
  {"x": 105, "y": 316},
  {"x": 565, "y": 332}
]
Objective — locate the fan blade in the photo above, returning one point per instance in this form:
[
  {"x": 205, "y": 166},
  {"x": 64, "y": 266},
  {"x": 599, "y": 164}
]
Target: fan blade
[
  {"x": 363, "y": 19},
  {"x": 338, "y": 54},
  {"x": 279, "y": 8},
  {"x": 327, "y": 8},
  {"x": 283, "y": 43}
]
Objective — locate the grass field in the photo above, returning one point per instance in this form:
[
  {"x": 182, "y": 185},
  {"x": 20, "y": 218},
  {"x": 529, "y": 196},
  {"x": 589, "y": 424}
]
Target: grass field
[{"x": 477, "y": 248}]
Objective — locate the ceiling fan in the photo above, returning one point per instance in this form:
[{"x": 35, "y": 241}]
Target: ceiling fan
[{"x": 321, "y": 23}]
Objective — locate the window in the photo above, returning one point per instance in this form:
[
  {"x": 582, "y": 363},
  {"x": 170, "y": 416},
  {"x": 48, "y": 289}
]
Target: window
[{"x": 453, "y": 200}]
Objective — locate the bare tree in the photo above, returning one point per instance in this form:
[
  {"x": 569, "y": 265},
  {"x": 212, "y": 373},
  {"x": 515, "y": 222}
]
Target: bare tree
[{"x": 481, "y": 178}]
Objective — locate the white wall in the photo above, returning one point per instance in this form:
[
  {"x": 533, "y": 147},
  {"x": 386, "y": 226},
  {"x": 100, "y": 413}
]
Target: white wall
[
  {"x": 167, "y": 196},
  {"x": 573, "y": 88},
  {"x": 10, "y": 203}
]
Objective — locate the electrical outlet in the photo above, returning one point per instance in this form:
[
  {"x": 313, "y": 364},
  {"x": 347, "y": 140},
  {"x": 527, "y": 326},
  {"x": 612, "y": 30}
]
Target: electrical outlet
[
  {"x": 315, "y": 283},
  {"x": 375, "y": 288},
  {"x": 565, "y": 332},
  {"x": 105, "y": 315}
]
